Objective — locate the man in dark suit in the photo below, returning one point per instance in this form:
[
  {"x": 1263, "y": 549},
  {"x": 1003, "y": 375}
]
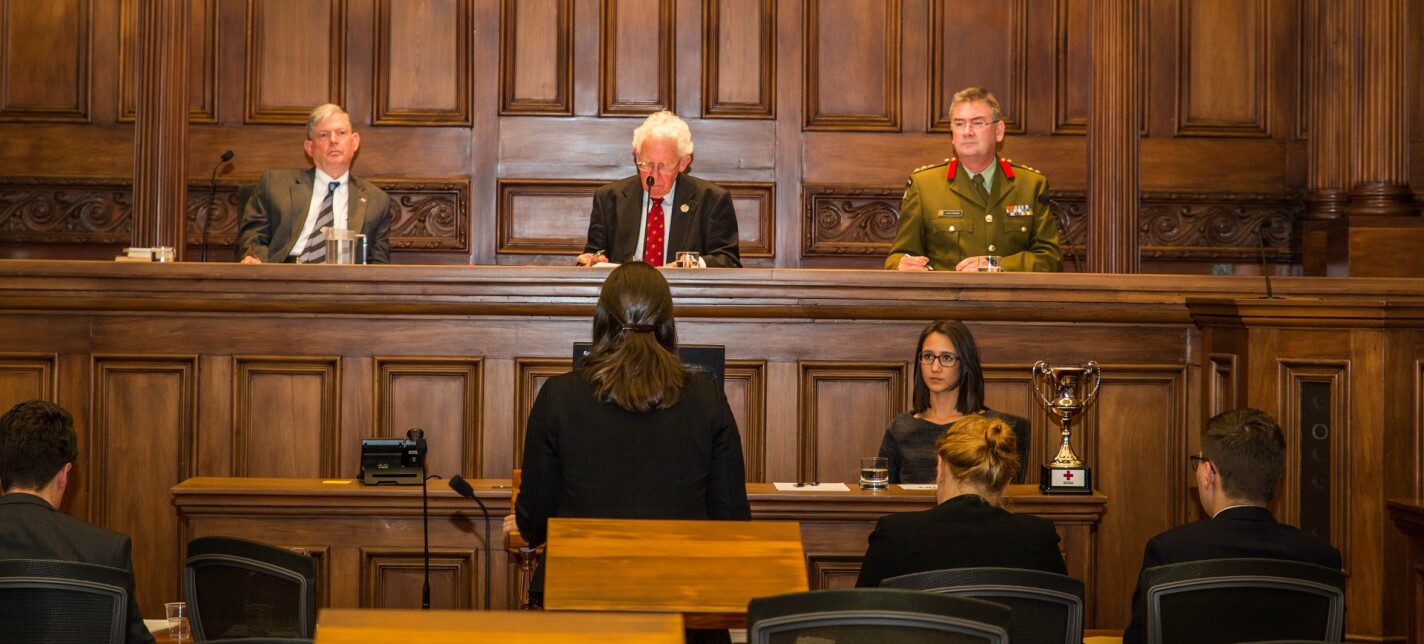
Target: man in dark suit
[
  {"x": 282, "y": 221},
  {"x": 37, "y": 451},
  {"x": 662, "y": 211},
  {"x": 1241, "y": 460}
]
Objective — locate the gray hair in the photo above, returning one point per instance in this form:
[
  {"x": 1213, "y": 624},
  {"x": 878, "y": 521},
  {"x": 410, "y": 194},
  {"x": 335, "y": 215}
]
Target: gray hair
[
  {"x": 666, "y": 126},
  {"x": 975, "y": 94},
  {"x": 319, "y": 116}
]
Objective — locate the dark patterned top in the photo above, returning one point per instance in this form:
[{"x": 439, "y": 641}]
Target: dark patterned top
[{"x": 909, "y": 444}]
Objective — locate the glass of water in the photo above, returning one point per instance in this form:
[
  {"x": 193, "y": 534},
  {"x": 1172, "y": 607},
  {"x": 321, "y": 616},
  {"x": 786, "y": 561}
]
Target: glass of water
[
  {"x": 991, "y": 265},
  {"x": 177, "y": 620},
  {"x": 874, "y": 473}
]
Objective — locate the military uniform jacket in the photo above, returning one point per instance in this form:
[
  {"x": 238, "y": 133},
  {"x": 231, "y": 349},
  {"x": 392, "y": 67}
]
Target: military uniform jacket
[{"x": 943, "y": 217}]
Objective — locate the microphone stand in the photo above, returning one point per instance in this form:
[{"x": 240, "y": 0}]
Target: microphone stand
[
  {"x": 1060, "y": 220},
  {"x": 1265, "y": 269},
  {"x": 212, "y": 191},
  {"x": 463, "y": 488}
]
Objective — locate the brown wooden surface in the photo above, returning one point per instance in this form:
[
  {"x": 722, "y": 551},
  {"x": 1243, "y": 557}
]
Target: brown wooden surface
[
  {"x": 1408, "y": 518},
  {"x": 362, "y": 626},
  {"x": 706, "y": 571}
]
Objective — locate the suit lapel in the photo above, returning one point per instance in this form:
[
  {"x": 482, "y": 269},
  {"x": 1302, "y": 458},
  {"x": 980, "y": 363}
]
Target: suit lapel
[
  {"x": 681, "y": 220},
  {"x": 1001, "y": 187},
  {"x": 301, "y": 195},
  {"x": 630, "y": 215},
  {"x": 356, "y": 206}
]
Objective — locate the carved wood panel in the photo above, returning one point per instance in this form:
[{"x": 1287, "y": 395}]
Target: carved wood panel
[
  {"x": 530, "y": 374},
  {"x": 1221, "y": 394},
  {"x": 393, "y": 577},
  {"x": 1001, "y": 70},
  {"x": 536, "y": 57},
  {"x": 45, "y": 60},
  {"x": 1073, "y": 63},
  {"x": 845, "y": 407},
  {"x": 1224, "y": 52},
  {"x": 745, "y": 384},
  {"x": 851, "y": 56},
  {"x": 429, "y": 214},
  {"x": 422, "y": 73},
  {"x": 830, "y": 571},
  {"x": 739, "y": 59},
  {"x": 27, "y": 376},
  {"x": 440, "y": 396},
  {"x": 202, "y": 61},
  {"x": 296, "y": 58},
  {"x": 302, "y": 440},
  {"x": 154, "y": 397},
  {"x": 638, "y": 45},
  {"x": 849, "y": 220}
]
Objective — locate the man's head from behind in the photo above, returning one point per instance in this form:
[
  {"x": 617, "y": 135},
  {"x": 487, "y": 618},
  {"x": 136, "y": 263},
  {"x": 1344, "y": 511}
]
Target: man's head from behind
[
  {"x": 1244, "y": 452},
  {"x": 37, "y": 442}
]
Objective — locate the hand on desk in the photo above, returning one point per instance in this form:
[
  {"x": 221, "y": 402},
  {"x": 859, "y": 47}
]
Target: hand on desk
[
  {"x": 914, "y": 263},
  {"x": 589, "y": 259},
  {"x": 510, "y": 525}
]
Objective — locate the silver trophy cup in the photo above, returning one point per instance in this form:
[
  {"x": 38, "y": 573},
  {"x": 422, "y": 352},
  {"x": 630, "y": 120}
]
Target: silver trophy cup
[{"x": 1065, "y": 392}]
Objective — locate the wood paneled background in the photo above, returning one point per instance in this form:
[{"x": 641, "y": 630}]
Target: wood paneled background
[{"x": 491, "y": 121}]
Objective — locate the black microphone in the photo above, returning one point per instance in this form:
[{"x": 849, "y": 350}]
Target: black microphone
[
  {"x": 646, "y": 213},
  {"x": 1265, "y": 270},
  {"x": 417, "y": 435},
  {"x": 212, "y": 190},
  {"x": 1060, "y": 220},
  {"x": 462, "y": 487}
]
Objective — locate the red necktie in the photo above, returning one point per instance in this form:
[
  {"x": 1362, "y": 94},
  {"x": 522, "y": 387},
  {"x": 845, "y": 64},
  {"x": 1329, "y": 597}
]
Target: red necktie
[{"x": 653, "y": 237}]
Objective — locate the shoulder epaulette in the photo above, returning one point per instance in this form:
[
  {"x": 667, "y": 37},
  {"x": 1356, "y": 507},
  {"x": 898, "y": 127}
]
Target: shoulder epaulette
[
  {"x": 1016, "y": 163},
  {"x": 930, "y": 165}
]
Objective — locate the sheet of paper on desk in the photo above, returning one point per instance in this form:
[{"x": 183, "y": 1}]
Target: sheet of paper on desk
[
  {"x": 919, "y": 486},
  {"x": 807, "y": 487}
]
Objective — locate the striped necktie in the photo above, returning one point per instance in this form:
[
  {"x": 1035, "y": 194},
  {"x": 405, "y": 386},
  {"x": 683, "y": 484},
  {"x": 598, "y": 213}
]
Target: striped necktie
[{"x": 315, "y": 250}]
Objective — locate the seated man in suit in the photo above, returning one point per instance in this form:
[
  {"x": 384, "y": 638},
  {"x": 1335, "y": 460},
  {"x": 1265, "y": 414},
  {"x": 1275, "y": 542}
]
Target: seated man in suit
[
  {"x": 282, "y": 221},
  {"x": 37, "y": 451},
  {"x": 661, "y": 211},
  {"x": 1242, "y": 456}
]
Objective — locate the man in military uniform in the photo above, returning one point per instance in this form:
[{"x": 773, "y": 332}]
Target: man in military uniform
[{"x": 956, "y": 213}]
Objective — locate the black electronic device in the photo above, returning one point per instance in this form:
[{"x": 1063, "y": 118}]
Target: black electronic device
[
  {"x": 706, "y": 359},
  {"x": 393, "y": 461}
]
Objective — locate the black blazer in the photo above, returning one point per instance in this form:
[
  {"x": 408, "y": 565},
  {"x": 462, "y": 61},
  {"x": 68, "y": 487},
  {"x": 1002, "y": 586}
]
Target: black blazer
[
  {"x": 30, "y": 528},
  {"x": 708, "y": 225},
  {"x": 272, "y": 221},
  {"x": 1240, "y": 532},
  {"x": 962, "y": 532}
]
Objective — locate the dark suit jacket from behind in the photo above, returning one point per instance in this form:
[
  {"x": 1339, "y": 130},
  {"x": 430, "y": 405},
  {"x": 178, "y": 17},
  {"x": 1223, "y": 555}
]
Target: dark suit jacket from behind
[
  {"x": 962, "y": 532},
  {"x": 709, "y": 226},
  {"x": 30, "y": 528},
  {"x": 1240, "y": 532},
  {"x": 273, "y": 219},
  {"x": 587, "y": 458}
]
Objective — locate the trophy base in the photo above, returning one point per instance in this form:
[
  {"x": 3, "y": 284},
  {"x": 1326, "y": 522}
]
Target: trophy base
[{"x": 1065, "y": 480}]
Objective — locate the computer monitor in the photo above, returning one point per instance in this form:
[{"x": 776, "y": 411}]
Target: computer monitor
[{"x": 707, "y": 359}]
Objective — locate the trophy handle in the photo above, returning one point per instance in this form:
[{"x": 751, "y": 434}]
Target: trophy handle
[
  {"x": 1039, "y": 369},
  {"x": 1097, "y": 375}
]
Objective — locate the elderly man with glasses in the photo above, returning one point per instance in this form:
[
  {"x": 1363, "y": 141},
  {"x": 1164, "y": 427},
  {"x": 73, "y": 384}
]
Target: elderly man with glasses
[
  {"x": 957, "y": 214},
  {"x": 662, "y": 211}
]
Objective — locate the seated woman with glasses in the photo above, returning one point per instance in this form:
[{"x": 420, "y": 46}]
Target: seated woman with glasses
[
  {"x": 948, "y": 386},
  {"x": 975, "y": 460}
]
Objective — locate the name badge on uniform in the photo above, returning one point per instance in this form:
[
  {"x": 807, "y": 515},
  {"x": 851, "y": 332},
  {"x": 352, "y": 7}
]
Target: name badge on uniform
[
  {"x": 957, "y": 214},
  {"x": 1021, "y": 210}
]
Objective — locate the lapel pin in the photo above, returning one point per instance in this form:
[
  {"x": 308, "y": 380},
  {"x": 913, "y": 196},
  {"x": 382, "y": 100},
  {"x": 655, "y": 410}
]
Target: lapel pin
[
  {"x": 683, "y": 208},
  {"x": 363, "y": 200}
]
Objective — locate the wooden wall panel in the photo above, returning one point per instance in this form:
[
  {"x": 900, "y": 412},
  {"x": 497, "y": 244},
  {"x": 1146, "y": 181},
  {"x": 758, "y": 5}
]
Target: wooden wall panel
[
  {"x": 1073, "y": 64},
  {"x": 845, "y": 407},
  {"x": 851, "y": 65},
  {"x": 841, "y": 220},
  {"x": 530, "y": 374},
  {"x": 540, "y": 216},
  {"x": 140, "y": 438},
  {"x": 745, "y": 384},
  {"x": 393, "y": 577},
  {"x": 296, "y": 58},
  {"x": 536, "y": 57},
  {"x": 739, "y": 58},
  {"x": 1291, "y": 494},
  {"x": 1001, "y": 67},
  {"x": 1224, "y": 49},
  {"x": 755, "y": 203},
  {"x": 423, "y": 71},
  {"x": 638, "y": 46},
  {"x": 202, "y": 62},
  {"x": 45, "y": 50},
  {"x": 301, "y": 441},
  {"x": 440, "y": 396},
  {"x": 27, "y": 376}
]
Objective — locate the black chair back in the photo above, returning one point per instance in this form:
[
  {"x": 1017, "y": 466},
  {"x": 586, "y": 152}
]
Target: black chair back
[
  {"x": 1047, "y": 607},
  {"x": 238, "y": 588},
  {"x": 1246, "y": 599},
  {"x": 875, "y": 615},
  {"x": 44, "y": 601}
]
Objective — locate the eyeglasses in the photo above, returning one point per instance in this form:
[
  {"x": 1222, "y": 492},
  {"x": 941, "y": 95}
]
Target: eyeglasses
[
  {"x": 970, "y": 125},
  {"x": 660, "y": 168},
  {"x": 945, "y": 359},
  {"x": 1195, "y": 460}
]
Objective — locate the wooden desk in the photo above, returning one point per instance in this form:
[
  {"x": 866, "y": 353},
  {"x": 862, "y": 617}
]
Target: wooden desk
[
  {"x": 705, "y": 570},
  {"x": 361, "y": 626}
]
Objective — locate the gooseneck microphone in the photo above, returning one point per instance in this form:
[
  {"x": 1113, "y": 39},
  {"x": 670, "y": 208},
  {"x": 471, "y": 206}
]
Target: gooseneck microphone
[
  {"x": 647, "y": 212},
  {"x": 212, "y": 191},
  {"x": 1060, "y": 220},
  {"x": 418, "y": 436},
  {"x": 462, "y": 487},
  {"x": 1265, "y": 269}
]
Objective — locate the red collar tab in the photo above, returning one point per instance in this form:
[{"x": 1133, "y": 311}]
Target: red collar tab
[
  {"x": 1008, "y": 170},
  {"x": 953, "y": 166}
]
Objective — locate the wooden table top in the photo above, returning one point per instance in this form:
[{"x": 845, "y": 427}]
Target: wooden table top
[
  {"x": 361, "y": 626},
  {"x": 705, "y": 570}
]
